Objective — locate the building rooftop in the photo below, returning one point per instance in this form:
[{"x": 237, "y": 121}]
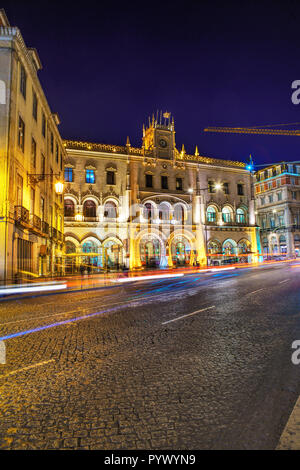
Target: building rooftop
[{"x": 139, "y": 151}]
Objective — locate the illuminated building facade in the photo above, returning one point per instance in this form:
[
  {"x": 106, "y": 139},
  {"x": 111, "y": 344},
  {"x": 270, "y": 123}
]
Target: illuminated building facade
[
  {"x": 278, "y": 209},
  {"x": 155, "y": 206},
  {"x": 32, "y": 154}
]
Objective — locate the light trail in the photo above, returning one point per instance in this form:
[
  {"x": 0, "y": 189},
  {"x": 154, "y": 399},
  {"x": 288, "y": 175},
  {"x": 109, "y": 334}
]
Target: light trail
[
  {"x": 53, "y": 325},
  {"x": 39, "y": 288},
  {"x": 144, "y": 278}
]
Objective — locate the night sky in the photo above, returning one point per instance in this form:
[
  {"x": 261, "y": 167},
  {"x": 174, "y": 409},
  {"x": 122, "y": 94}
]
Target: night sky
[{"x": 107, "y": 66}]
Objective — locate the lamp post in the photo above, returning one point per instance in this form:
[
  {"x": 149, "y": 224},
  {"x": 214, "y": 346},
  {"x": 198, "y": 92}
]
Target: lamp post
[
  {"x": 217, "y": 187},
  {"x": 34, "y": 178}
]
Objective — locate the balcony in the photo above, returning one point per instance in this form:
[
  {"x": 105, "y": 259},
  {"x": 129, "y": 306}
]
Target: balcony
[
  {"x": 45, "y": 227},
  {"x": 22, "y": 215},
  {"x": 36, "y": 222},
  {"x": 53, "y": 233}
]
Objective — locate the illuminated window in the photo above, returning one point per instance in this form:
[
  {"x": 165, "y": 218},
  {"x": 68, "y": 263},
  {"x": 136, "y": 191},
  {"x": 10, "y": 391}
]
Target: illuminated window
[
  {"x": 240, "y": 216},
  {"x": 110, "y": 210},
  {"x": 226, "y": 214},
  {"x": 90, "y": 176},
  {"x": 69, "y": 175},
  {"x": 211, "y": 214}
]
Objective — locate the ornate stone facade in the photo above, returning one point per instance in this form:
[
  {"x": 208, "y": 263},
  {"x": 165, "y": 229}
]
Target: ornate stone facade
[
  {"x": 32, "y": 154},
  {"x": 155, "y": 206},
  {"x": 278, "y": 209}
]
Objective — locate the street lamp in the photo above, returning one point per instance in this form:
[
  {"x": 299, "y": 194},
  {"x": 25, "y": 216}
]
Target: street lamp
[
  {"x": 34, "y": 178},
  {"x": 59, "y": 187},
  {"x": 79, "y": 217},
  {"x": 217, "y": 187}
]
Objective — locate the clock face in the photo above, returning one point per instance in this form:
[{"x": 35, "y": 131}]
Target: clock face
[{"x": 163, "y": 143}]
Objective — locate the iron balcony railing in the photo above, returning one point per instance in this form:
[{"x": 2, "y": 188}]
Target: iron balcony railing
[
  {"x": 45, "y": 227},
  {"x": 22, "y": 214},
  {"x": 53, "y": 233},
  {"x": 36, "y": 222}
]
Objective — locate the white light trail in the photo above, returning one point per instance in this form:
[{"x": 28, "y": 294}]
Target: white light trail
[
  {"x": 36, "y": 288},
  {"x": 143, "y": 278}
]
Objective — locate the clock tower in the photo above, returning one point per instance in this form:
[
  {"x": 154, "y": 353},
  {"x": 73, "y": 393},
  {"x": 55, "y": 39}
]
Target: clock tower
[{"x": 159, "y": 136}]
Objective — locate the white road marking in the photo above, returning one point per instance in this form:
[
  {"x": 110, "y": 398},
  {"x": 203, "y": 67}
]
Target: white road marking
[
  {"x": 26, "y": 368},
  {"x": 253, "y": 292},
  {"x": 188, "y": 315},
  {"x": 285, "y": 280}
]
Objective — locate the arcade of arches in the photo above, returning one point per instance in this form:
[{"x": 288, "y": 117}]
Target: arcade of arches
[{"x": 152, "y": 252}]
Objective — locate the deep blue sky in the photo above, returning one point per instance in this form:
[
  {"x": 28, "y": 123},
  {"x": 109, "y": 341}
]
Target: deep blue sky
[{"x": 108, "y": 65}]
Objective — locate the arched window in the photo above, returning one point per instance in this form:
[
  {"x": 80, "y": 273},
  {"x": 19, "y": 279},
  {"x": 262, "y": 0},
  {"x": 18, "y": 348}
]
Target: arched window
[
  {"x": 150, "y": 251},
  {"x": 179, "y": 213},
  {"x": 110, "y": 210},
  {"x": 228, "y": 248},
  {"x": 164, "y": 212},
  {"x": 148, "y": 211},
  {"x": 89, "y": 208},
  {"x": 274, "y": 245},
  {"x": 226, "y": 214},
  {"x": 211, "y": 214},
  {"x": 282, "y": 244},
  {"x": 213, "y": 247},
  {"x": 181, "y": 250},
  {"x": 89, "y": 247},
  {"x": 69, "y": 208},
  {"x": 244, "y": 246},
  {"x": 70, "y": 247},
  {"x": 240, "y": 216}
]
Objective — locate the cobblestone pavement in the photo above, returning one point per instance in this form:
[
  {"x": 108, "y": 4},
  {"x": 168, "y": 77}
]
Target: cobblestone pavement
[{"x": 126, "y": 377}]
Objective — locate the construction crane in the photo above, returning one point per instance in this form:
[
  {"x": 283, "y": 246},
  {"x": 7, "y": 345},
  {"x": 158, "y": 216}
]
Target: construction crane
[
  {"x": 255, "y": 130},
  {"x": 266, "y": 130}
]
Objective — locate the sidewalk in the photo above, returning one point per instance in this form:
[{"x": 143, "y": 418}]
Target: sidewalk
[{"x": 290, "y": 438}]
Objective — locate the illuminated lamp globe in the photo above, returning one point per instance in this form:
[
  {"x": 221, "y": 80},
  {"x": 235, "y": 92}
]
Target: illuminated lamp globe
[
  {"x": 59, "y": 187},
  {"x": 79, "y": 217}
]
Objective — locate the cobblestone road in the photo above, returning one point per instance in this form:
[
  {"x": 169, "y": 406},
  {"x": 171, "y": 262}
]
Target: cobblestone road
[{"x": 124, "y": 378}]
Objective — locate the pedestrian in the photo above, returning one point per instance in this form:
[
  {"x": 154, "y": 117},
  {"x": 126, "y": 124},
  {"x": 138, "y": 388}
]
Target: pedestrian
[
  {"x": 89, "y": 269},
  {"x": 82, "y": 269}
]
